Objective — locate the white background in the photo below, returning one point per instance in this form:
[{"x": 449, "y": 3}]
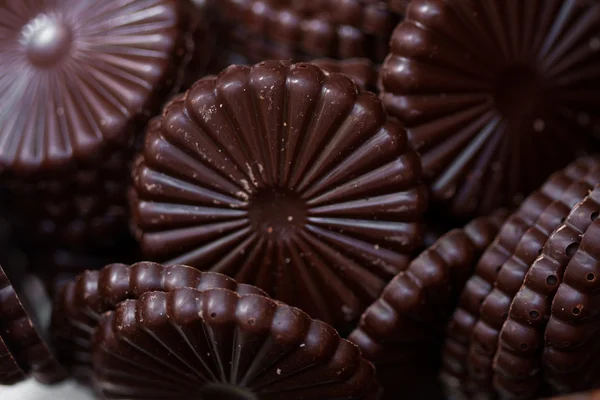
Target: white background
[{"x": 31, "y": 390}]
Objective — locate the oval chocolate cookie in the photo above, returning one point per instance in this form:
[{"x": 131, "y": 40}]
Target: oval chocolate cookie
[
  {"x": 285, "y": 177},
  {"x": 216, "y": 344}
]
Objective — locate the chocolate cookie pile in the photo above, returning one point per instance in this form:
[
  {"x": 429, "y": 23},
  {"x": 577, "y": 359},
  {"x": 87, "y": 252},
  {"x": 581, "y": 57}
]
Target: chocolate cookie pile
[{"x": 293, "y": 199}]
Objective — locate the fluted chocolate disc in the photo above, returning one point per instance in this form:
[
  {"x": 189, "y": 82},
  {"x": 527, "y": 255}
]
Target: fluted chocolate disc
[
  {"x": 461, "y": 325},
  {"x": 80, "y": 303},
  {"x": 216, "y": 344},
  {"x": 76, "y": 74},
  {"x": 22, "y": 340},
  {"x": 285, "y": 177},
  {"x": 509, "y": 278},
  {"x": 361, "y": 70},
  {"x": 374, "y": 17},
  {"x": 572, "y": 339},
  {"x": 495, "y": 94},
  {"x": 414, "y": 307},
  {"x": 517, "y": 362},
  {"x": 10, "y": 372}
]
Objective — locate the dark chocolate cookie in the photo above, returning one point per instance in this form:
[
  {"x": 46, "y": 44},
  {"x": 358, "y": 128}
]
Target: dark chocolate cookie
[
  {"x": 10, "y": 372},
  {"x": 285, "y": 177},
  {"x": 495, "y": 94},
  {"x": 216, "y": 344}
]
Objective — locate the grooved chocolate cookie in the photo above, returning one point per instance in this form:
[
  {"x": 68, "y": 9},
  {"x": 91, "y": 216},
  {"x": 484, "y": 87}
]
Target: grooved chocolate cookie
[
  {"x": 460, "y": 327},
  {"x": 495, "y": 94},
  {"x": 572, "y": 344},
  {"x": 404, "y": 326},
  {"x": 414, "y": 307},
  {"x": 22, "y": 340},
  {"x": 510, "y": 276},
  {"x": 80, "y": 303},
  {"x": 374, "y": 17},
  {"x": 286, "y": 177},
  {"x": 361, "y": 70},
  {"x": 517, "y": 363},
  {"x": 10, "y": 372},
  {"x": 216, "y": 344}
]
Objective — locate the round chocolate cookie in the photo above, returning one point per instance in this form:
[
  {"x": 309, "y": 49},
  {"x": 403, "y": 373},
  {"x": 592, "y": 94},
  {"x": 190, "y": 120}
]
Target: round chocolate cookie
[
  {"x": 517, "y": 361},
  {"x": 401, "y": 328},
  {"x": 80, "y": 303},
  {"x": 10, "y": 372},
  {"x": 510, "y": 276},
  {"x": 572, "y": 338},
  {"x": 285, "y": 177},
  {"x": 495, "y": 95},
  {"x": 215, "y": 344},
  {"x": 361, "y": 70},
  {"x": 22, "y": 340},
  {"x": 461, "y": 325}
]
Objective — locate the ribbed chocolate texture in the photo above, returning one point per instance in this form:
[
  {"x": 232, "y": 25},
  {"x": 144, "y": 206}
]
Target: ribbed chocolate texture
[
  {"x": 517, "y": 363},
  {"x": 10, "y": 372},
  {"x": 374, "y": 17},
  {"x": 216, "y": 344},
  {"x": 460, "y": 327},
  {"x": 414, "y": 307},
  {"x": 509, "y": 278},
  {"x": 22, "y": 339},
  {"x": 284, "y": 177},
  {"x": 361, "y": 70},
  {"x": 308, "y": 32},
  {"x": 80, "y": 303},
  {"x": 78, "y": 73},
  {"x": 572, "y": 338},
  {"x": 495, "y": 94}
]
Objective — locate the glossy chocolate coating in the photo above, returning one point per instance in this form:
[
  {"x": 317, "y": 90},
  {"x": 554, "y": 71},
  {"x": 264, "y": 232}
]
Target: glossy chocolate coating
[
  {"x": 285, "y": 177},
  {"x": 495, "y": 307},
  {"x": 460, "y": 327},
  {"x": 311, "y": 33},
  {"x": 361, "y": 70},
  {"x": 80, "y": 303},
  {"x": 517, "y": 362},
  {"x": 216, "y": 344},
  {"x": 10, "y": 372},
  {"x": 374, "y": 17},
  {"x": 495, "y": 95},
  {"x": 78, "y": 73},
  {"x": 413, "y": 309},
  {"x": 572, "y": 338},
  {"x": 23, "y": 340}
]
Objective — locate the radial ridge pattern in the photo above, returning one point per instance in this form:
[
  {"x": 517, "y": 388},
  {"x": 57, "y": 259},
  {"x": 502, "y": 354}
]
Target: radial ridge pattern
[
  {"x": 216, "y": 344},
  {"x": 285, "y": 177},
  {"x": 495, "y": 94},
  {"x": 75, "y": 75}
]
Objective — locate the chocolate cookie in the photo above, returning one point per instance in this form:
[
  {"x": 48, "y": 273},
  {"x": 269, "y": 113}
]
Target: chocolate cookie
[
  {"x": 22, "y": 340},
  {"x": 10, "y": 372},
  {"x": 461, "y": 324},
  {"x": 216, "y": 344},
  {"x": 285, "y": 177},
  {"x": 361, "y": 70},
  {"x": 517, "y": 363},
  {"x": 80, "y": 303},
  {"x": 510, "y": 276},
  {"x": 495, "y": 95},
  {"x": 572, "y": 344}
]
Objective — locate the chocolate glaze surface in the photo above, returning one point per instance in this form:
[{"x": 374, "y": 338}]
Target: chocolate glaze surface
[
  {"x": 361, "y": 70},
  {"x": 216, "y": 344},
  {"x": 517, "y": 363},
  {"x": 510, "y": 276},
  {"x": 460, "y": 327},
  {"x": 80, "y": 303},
  {"x": 572, "y": 344},
  {"x": 22, "y": 339},
  {"x": 495, "y": 95},
  {"x": 77, "y": 74},
  {"x": 285, "y": 177}
]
